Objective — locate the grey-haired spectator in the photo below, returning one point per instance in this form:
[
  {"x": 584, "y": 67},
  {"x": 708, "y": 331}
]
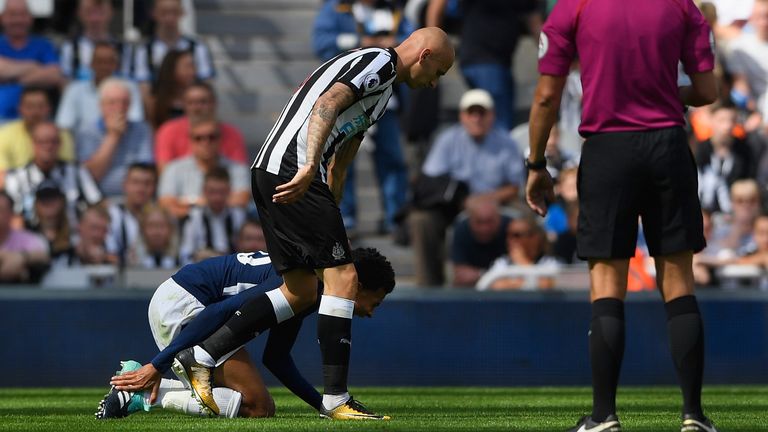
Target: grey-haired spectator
[
  {"x": 74, "y": 181},
  {"x": 80, "y": 99},
  {"x": 108, "y": 146}
]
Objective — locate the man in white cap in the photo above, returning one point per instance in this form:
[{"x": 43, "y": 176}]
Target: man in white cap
[{"x": 476, "y": 153}]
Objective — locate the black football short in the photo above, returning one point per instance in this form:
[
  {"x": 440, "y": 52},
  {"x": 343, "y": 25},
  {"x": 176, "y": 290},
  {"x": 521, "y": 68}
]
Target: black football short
[
  {"x": 308, "y": 233},
  {"x": 649, "y": 175}
]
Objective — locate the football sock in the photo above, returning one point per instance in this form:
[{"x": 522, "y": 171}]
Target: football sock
[
  {"x": 686, "y": 341},
  {"x": 334, "y": 332},
  {"x": 253, "y": 318},
  {"x": 606, "y": 351},
  {"x": 182, "y": 401}
]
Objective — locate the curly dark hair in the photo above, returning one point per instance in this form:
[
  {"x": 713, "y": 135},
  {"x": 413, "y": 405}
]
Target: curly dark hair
[{"x": 374, "y": 271}]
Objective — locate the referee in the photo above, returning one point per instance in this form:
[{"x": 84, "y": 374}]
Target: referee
[
  {"x": 297, "y": 181},
  {"x": 635, "y": 163}
]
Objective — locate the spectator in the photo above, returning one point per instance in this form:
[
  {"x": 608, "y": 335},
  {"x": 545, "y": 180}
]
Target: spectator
[
  {"x": 107, "y": 147},
  {"x": 50, "y": 219},
  {"x": 94, "y": 17},
  {"x": 90, "y": 244},
  {"x": 16, "y": 136},
  {"x": 158, "y": 244},
  {"x": 22, "y": 253},
  {"x": 181, "y": 184},
  {"x": 486, "y": 61},
  {"x": 564, "y": 246},
  {"x": 722, "y": 160},
  {"x": 474, "y": 152},
  {"x": 250, "y": 238},
  {"x": 25, "y": 60},
  {"x": 732, "y": 233},
  {"x": 566, "y": 193},
  {"x": 759, "y": 256},
  {"x": 748, "y": 63},
  {"x": 172, "y": 139},
  {"x": 73, "y": 180},
  {"x": 345, "y": 24},
  {"x": 80, "y": 99},
  {"x": 139, "y": 187},
  {"x": 211, "y": 228},
  {"x": 478, "y": 239},
  {"x": 526, "y": 248},
  {"x": 176, "y": 74},
  {"x": 167, "y": 37}
]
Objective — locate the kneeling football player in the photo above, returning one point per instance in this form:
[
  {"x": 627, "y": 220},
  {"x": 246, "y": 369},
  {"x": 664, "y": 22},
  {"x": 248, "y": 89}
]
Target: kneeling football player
[{"x": 200, "y": 298}]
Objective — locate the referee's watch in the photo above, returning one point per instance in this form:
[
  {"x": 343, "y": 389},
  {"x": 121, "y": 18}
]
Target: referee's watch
[{"x": 535, "y": 166}]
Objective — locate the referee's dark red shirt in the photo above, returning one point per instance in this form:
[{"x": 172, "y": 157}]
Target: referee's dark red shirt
[{"x": 628, "y": 53}]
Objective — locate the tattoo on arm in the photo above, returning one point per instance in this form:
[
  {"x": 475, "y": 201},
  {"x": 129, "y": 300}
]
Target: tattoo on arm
[{"x": 323, "y": 116}]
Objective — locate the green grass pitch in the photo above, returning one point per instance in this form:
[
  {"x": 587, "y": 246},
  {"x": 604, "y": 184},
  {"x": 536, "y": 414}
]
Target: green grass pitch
[{"x": 648, "y": 409}]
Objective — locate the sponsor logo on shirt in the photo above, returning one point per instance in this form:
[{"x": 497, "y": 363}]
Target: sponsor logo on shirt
[
  {"x": 371, "y": 81},
  {"x": 357, "y": 124}
]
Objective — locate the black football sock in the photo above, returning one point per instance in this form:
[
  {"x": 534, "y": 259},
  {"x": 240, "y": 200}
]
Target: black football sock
[
  {"x": 686, "y": 341},
  {"x": 254, "y": 317},
  {"x": 606, "y": 351},
  {"x": 334, "y": 332}
]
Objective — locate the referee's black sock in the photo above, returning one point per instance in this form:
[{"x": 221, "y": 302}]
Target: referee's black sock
[
  {"x": 254, "y": 317},
  {"x": 606, "y": 351},
  {"x": 686, "y": 341},
  {"x": 334, "y": 332}
]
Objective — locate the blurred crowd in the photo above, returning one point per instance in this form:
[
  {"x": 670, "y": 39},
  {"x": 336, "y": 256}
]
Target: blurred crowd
[{"x": 112, "y": 153}]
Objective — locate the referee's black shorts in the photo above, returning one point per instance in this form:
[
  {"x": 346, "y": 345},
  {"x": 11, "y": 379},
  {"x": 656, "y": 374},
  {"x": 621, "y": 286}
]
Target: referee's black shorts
[
  {"x": 308, "y": 233},
  {"x": 625, "y": 175}
]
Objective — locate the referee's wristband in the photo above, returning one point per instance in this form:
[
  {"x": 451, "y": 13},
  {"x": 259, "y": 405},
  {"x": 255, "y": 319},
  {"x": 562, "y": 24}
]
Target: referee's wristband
[{"x": 535, "y": 166}]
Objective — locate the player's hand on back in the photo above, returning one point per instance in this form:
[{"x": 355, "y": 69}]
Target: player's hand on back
[
  {"x": 540, "y": 191},
  {"x": 292, "y": 191},
  {"x": 145, "y": 377}
]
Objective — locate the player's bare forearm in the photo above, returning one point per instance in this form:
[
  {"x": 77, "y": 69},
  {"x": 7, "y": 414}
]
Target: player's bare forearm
[
  {"x": 702, "y": 91},
  {"x": 544, "y": 110},
  {"x": 324, "y": 114},
  {"x": 337, "y": 174}
]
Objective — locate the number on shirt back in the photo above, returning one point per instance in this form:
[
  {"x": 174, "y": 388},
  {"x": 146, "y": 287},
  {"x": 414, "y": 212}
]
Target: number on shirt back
[{"x": 249, "y": 258}]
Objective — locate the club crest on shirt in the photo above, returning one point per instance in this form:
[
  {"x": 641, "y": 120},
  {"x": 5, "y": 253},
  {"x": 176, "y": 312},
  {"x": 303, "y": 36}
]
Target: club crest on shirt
[
  {"x": 338, "y": 251},
  {"x": 371, "y": 81},
  {"x": 543, "y": 45}
]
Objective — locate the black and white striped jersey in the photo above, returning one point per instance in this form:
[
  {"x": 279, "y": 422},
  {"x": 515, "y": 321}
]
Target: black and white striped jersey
[{"x": 369, "y": 72}]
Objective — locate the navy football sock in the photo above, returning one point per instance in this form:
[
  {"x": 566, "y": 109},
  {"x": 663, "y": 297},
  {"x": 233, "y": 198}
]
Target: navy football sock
[{"x": 606, "y": 352}]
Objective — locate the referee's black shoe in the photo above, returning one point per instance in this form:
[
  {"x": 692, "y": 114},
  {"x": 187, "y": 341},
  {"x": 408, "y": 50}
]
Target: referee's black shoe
[
  {"x": 696, "y": 423},
  {"x": 586, "y": 424}
]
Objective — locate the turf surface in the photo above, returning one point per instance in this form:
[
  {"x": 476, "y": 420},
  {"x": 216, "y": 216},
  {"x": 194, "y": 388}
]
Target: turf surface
[{"x": 649, "y": 409}]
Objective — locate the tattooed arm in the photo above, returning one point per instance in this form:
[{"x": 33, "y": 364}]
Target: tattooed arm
[
  {"x": 337, "y": 172},
  {"x": 321, "y": 120}
]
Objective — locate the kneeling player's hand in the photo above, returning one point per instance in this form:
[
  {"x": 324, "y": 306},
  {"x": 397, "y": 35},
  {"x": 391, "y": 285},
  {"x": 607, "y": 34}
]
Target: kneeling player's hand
[{"x": 145, "y": 377}]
